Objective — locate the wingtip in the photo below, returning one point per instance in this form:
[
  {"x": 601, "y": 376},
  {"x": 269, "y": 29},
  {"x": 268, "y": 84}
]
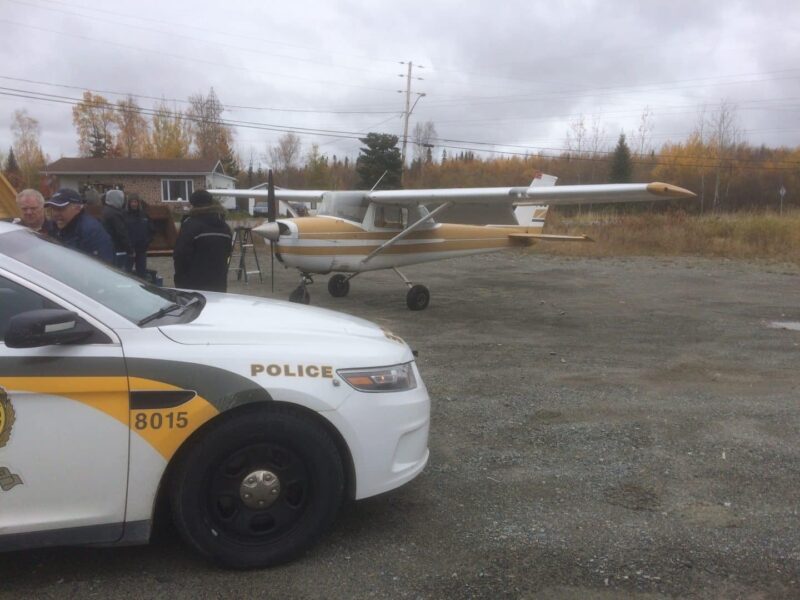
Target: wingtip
[{"x": 667, "y": 189}]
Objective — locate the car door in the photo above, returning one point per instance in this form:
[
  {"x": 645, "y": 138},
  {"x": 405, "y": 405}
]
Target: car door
[{"x": 63, "y": 431}]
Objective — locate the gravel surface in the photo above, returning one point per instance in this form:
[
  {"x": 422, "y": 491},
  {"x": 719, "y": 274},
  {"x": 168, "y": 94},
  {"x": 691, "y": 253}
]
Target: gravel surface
[{"x": 601, "y": 428}]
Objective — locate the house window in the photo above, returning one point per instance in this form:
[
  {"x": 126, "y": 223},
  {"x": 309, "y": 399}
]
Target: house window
[{"x": 173, "y": 190}]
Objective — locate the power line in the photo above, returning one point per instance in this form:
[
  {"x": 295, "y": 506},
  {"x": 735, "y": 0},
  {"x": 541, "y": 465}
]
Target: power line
[
  {"x": 181, "y": 101},
  {"x": 173, "y": 34},
  {"x": 194, "y": 59},
  {"x": 442, "y": 142}
]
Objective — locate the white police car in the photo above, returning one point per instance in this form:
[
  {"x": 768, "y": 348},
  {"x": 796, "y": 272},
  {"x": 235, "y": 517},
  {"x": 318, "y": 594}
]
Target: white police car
[{"x": 255, "y": 418}]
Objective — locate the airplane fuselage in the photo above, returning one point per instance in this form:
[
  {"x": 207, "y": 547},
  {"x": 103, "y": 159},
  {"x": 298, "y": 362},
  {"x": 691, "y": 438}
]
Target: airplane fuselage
[{"x": 326, "y": 244}]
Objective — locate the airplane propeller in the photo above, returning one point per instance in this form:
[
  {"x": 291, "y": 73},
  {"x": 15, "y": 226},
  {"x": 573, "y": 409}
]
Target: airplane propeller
[{"x": 270, "y": 230}]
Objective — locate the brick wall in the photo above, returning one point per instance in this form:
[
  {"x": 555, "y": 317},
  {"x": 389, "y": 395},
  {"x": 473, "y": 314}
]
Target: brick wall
[{"x": 147, "y": 186}]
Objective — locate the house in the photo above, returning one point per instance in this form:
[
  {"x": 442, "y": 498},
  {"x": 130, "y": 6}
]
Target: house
[{"x": 157, "y": 180}]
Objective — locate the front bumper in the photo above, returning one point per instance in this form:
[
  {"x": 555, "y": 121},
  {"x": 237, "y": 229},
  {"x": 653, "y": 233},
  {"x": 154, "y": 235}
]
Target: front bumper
[{"x": 387, "y": 434}]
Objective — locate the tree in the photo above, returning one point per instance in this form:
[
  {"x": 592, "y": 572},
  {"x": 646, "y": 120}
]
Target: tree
[
  {"x": 621, "y": 167},
  {"x": 725, "y": 134},
  {"x": 169, "y": 137},
  {"x": 11, "y": 170},
  {"x": 133, "y": 128},
  {"x": 381, "y": 155},
  {"x": 27, "y": 149},
  {"x": 283, "y": 155},
  {"x": 317, "y": 171},
  {"x": 423, "y": 136},
  {"x": 211, "y": 137},
  {"x": 94, "y": 119}
]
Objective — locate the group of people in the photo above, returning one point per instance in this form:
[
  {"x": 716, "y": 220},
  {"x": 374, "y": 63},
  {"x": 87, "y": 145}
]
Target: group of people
[{"x": 122, "y": 237}]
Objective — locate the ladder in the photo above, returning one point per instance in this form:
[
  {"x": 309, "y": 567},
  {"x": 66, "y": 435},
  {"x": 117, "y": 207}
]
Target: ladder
[{"x": 241, "y": 242}]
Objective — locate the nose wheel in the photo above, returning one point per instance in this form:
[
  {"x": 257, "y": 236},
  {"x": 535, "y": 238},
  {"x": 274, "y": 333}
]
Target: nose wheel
[{"x": 300, "y": 294}]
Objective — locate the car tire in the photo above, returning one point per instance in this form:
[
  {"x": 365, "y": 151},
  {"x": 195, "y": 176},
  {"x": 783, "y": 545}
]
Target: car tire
[{"x": 220, "y": 480}]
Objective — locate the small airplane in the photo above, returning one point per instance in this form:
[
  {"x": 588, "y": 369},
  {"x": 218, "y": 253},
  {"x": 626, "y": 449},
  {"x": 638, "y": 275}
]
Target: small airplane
[{"x": 358, "y": 231}]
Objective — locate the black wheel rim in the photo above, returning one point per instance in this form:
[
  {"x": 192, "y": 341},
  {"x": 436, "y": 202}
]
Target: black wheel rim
[{"x": 246, "y": 525}]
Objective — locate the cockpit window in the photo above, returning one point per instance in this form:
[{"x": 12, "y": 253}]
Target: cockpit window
[
  {"x": 391, "y": 217},
  {"x": 344, "y": 205}
]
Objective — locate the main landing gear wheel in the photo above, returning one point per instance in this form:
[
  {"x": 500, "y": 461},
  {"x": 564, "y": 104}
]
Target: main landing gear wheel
[
  {"x": 257, "y": 489},
  {"x": 338, "y": 285},
  {"x": 418, "y": 297},
  {"x": 300, "y": 295}
]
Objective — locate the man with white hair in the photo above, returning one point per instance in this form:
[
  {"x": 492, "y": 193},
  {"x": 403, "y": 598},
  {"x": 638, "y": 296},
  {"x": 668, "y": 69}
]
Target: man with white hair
[{"x": 31, "y": 206}]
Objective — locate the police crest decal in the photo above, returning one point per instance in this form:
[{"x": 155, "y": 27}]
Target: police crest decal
[{"x": 6, "y": 417}]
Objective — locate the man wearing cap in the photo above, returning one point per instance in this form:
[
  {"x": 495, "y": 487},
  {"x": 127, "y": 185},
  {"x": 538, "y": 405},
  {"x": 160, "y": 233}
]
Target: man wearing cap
[
  {"x": 31, "y": 206},
  {"x": 114, "y": 222},
  {"x": 77, "y": 229},
  {"x": 203, "y": 246}
]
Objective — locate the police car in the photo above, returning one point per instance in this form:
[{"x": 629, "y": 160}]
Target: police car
[{"x": 255, "y": 419}]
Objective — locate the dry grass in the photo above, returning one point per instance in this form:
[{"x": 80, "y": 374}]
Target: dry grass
[{"x": 744, "y": 236}]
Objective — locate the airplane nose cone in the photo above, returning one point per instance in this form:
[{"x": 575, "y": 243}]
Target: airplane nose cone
[{"x": 270, "y": 231}]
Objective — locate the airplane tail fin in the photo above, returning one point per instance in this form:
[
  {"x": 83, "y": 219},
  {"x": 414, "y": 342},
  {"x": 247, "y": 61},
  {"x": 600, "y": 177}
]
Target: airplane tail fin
[{"x": 534, "y": 216}]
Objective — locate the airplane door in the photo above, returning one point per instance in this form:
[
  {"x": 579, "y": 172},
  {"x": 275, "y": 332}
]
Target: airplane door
[{"x": 63, "y": 435}]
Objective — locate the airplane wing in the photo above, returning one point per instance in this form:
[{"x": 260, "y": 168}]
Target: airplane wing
[
  {"x": 480, "y": 206},
  {"x": 553, "y": 195},
  {"x": 296, "y": 195},
  {"x": 604, "y": 193}
]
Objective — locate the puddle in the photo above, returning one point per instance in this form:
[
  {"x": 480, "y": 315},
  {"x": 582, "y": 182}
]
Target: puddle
[{"x": 793, "y": 325}]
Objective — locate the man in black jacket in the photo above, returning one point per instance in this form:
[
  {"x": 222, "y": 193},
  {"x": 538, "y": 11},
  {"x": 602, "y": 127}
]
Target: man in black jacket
[
  {"x": 203, "y": 246},
  {"x": 114, "y": 222}
]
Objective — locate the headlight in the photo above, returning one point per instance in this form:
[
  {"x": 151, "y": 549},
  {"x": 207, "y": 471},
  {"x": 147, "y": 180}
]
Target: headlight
[{"x": 397, "y": 378}]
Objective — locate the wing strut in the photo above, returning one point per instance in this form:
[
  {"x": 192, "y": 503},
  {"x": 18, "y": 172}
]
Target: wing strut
[{"x": 408, "y": 230}]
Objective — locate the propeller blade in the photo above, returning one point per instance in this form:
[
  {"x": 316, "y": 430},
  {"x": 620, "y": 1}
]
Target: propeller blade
[
  {"x": 272, "y": 265},
  {"x": 272, "y": 206}
]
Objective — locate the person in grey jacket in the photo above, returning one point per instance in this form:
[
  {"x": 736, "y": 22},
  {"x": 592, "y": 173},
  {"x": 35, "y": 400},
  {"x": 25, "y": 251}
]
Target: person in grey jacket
[{"x": 114, "y": 222}]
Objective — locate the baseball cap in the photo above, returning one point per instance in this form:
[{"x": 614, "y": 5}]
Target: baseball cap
[{"x": 63, "y": 197}]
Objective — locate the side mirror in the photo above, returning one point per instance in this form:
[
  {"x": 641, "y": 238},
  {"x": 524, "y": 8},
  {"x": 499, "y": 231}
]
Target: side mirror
[{"x": 46, "y": 327}]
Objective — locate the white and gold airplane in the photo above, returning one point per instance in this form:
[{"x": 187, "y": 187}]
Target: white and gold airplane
[{"x": 358, "y": 231}]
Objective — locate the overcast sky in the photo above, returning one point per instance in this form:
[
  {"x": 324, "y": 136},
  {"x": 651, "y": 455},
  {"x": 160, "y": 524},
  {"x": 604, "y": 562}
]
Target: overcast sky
[{"x": 503, "y": 76}]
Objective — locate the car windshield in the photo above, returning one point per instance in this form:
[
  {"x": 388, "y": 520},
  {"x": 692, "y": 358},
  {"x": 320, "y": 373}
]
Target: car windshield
[{"x": 124, "y": 294}]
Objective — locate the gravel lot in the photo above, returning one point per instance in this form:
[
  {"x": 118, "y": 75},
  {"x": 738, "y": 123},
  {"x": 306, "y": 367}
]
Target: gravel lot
[{"x": 600, "y": 428}]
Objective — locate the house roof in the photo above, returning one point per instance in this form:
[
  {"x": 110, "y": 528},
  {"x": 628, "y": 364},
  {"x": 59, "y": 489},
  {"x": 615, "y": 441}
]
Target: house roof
[{"x": 134, "y": 166}]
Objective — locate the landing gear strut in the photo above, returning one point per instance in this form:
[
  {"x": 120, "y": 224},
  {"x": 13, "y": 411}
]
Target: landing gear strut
[
  {"x": 418, "y": 296},
  {"x": 300, "y": 294}
]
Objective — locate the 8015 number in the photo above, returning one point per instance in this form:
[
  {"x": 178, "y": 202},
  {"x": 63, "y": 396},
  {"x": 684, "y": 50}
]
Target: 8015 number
[{"x": 157, "y": 420}]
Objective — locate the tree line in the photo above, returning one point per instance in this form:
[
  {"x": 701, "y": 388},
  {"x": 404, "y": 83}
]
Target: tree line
[{"x": 727, "y": 173}]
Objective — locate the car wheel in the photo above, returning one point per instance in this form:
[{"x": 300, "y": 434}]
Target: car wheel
[
  {"x": 338, "y": 286},
  {"x": 258, "y": 489}
]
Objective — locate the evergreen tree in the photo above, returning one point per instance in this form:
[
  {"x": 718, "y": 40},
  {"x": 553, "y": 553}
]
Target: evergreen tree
[
  {"x": 621, "y": 167},
  {"x": 381, "y": 155},
  {"x": 11, "y": 163}
]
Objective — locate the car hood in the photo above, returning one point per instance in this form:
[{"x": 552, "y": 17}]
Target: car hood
[{"x": 229, "y": 319}]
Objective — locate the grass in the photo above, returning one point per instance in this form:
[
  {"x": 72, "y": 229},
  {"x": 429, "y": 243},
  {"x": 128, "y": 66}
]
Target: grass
[{"x": 763, "y": 236}]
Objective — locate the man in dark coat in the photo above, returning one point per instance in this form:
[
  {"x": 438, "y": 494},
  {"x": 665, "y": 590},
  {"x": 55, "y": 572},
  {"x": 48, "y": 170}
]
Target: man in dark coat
[
  {"x": 139, "y": 232},
  {"x": 77, "y": 229},
  {"x": 203, "y": 246},
  {"x": 114, "y": 222}
]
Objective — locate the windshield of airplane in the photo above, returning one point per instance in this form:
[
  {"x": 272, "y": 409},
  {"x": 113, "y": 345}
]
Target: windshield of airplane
[{"x": 344, "y": 205}]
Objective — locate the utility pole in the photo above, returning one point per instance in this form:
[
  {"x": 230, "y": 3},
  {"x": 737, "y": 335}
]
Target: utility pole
[
  {"x": 408, "y": 112},
  {"x": 409, "y": 106}
]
